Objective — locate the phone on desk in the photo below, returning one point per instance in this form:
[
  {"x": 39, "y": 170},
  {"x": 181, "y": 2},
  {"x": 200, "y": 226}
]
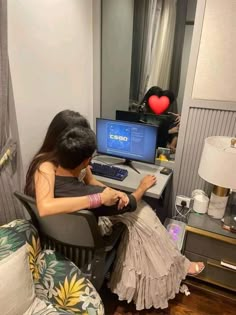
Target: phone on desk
[
  {"x": 229, "y": 223},
  {"x": 166, "y": 171}
]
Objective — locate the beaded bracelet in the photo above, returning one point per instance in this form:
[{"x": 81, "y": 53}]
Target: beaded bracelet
[{"x": 95, "y": 201}]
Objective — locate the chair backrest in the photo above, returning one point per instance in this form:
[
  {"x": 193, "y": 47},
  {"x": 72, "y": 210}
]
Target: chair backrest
[{"x": 77, "y": 229}]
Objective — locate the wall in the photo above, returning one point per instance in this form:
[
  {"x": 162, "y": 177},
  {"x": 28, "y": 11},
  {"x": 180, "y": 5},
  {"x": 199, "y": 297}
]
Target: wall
[
  {"x": 96, "y": 59},
  {"x": 207, "y": 109},
  {"x": 117, "y": 34},
  {"x": 50, "y": 47}
]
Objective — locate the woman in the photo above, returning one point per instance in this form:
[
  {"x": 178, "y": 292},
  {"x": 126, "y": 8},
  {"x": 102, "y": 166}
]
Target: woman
[
  {"x": 40, "y": 177},
  {"x": 170, "y": 139},
  {"x": 148, "y": 268}
]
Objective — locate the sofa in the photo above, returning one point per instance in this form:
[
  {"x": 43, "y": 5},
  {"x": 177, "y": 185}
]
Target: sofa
[{"x": 37, "y": 281}]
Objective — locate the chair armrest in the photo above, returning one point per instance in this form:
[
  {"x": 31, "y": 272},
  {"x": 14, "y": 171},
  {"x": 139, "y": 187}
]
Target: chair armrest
[
  {"x": 109, "y": 241},
  {"x": 93, "y": 224},
  {"x": 77, "y": 229}
]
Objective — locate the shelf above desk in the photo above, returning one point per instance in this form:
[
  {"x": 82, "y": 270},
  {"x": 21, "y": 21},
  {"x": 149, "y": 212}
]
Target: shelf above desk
[{"x": 131, "y": 182}]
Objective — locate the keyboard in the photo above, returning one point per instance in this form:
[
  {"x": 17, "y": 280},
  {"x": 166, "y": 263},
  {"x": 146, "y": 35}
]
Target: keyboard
[{"x": 109, "y": 171}]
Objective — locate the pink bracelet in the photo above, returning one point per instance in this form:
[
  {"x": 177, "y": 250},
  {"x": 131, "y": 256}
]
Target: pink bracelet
[{"x": 94, "y": 201}]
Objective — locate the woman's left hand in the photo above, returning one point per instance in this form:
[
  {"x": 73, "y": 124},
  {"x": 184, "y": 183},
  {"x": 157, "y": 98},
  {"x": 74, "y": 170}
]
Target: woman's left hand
[{"x": 173, "y": 130}]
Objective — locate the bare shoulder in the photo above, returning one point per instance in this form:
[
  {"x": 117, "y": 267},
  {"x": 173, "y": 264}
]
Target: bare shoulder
[{"x": 47, "y": 167}]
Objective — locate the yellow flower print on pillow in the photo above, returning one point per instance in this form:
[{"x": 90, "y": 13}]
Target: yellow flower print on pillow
[
  {"x": 69, "y": 293},
  {"x": 34, "y": 251}
]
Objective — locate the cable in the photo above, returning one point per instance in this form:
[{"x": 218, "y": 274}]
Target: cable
[{"x": 180, "y": 212}]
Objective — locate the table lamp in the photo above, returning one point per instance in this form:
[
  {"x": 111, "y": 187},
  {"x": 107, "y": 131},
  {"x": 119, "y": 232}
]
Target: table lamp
[{"x": 218, "y": 167}]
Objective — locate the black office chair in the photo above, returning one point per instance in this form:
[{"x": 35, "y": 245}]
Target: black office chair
[{"x": 77, "y": 237}]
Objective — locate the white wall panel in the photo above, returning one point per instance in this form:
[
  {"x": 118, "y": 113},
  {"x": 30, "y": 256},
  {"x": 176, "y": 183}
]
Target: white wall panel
[
  {"x": 202, "y": 123},
  {"x": 209, "y": 107},
  {"x": 215, "y": 75},
  {"x": 50, "y": 46}
]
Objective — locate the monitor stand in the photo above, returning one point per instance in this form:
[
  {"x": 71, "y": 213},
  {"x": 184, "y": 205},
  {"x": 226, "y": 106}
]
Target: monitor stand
[{"x": 129, "y": 163}]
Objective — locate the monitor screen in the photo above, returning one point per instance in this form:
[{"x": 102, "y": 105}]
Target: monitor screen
[
  {"x": 128, "y": 140},
  {"x": 163, "y": 122}
]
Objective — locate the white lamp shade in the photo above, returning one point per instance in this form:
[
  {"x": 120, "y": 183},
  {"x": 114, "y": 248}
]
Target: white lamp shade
[{"x": 218, "y": 162}]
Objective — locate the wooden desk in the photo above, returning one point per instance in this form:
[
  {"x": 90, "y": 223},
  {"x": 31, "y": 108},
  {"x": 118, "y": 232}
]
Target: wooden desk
[{"x": 131, "y": 182}]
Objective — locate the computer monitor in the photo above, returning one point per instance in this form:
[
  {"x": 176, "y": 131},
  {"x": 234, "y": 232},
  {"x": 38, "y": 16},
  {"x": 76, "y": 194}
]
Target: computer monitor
[
  {"x": 128, "y": 140},
  {"x": 128, "y": 116},
  {"x": 163, "y": 122}
]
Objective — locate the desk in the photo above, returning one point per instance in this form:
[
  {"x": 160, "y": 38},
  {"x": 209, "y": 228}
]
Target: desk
[{"x": 131, "y": 182}]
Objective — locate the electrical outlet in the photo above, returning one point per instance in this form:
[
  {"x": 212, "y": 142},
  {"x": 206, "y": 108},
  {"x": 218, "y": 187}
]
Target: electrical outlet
[{"x": 179, "y": 199}]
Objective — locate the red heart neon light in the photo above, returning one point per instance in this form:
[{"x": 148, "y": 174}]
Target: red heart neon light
[{"x": 158, "y": 104}]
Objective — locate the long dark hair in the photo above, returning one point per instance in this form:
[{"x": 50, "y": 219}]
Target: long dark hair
[
  {"x": 47, "y": 152},
  {"x": 155, "y": 90}
]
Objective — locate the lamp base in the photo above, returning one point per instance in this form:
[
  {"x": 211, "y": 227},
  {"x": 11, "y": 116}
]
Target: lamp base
[{"x": 218, "y": 202}]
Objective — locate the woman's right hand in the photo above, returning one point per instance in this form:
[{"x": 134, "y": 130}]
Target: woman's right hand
[
  {"x": 177, "y": 117},
  {"x": 147, "y": 182},
  {"x": 109, "y": 196}
]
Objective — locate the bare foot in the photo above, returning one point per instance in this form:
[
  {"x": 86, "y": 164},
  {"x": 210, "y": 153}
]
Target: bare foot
[{"x": 195, "y": 268}]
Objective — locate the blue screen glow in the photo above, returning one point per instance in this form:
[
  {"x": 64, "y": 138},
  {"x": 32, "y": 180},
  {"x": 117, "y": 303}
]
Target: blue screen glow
[{"x": 131, "y": 141}]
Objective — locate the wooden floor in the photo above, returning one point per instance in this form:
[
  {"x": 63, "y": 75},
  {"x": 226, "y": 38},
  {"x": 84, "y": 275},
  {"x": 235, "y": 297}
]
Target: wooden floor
[{"x": 203, "y": 300}]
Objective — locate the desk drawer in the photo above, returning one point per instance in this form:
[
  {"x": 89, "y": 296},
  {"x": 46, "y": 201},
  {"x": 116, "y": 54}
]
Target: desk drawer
[
  {"x": 214, "y": 272},
  {"x": 210, "y": 247}
]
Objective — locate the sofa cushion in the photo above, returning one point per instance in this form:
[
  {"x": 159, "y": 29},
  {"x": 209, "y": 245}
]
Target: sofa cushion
[
  {"x": 62, "y": 284},
  {"x": 60, "y": 288},
  {"x": 16, "y": 286}
]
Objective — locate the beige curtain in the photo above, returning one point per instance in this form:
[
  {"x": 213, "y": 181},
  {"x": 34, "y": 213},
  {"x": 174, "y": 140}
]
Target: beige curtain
[
  {"x": 152, "y": 31},
  {"x": 3, "y": 74},
  {"x": 161, "y": 58},
  {"x": 9, "y": 166}
]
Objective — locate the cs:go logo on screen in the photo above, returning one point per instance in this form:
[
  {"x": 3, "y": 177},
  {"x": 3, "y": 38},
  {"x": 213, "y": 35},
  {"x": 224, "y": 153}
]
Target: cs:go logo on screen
[{"x": 120, "y": 138}]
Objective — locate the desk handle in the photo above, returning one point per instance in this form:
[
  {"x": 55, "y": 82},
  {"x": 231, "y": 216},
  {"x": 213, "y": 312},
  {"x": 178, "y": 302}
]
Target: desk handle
[{"x": 229, "y": 265}]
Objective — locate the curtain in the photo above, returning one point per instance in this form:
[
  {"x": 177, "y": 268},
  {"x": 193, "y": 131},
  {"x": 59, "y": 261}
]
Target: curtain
[
  {"x": 153, "y": 38},
  {"x": 138, "y": 46},
  {"x": 9, "y": 166},
  {"x": 153, "y": 28},
  {"x": 3, "y": 74},
  {"x": 146, "y": 23},
  {"x": 161, "y": 58}
]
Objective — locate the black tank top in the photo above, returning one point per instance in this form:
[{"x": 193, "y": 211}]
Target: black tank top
[{"x": 67, "y": 186}]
